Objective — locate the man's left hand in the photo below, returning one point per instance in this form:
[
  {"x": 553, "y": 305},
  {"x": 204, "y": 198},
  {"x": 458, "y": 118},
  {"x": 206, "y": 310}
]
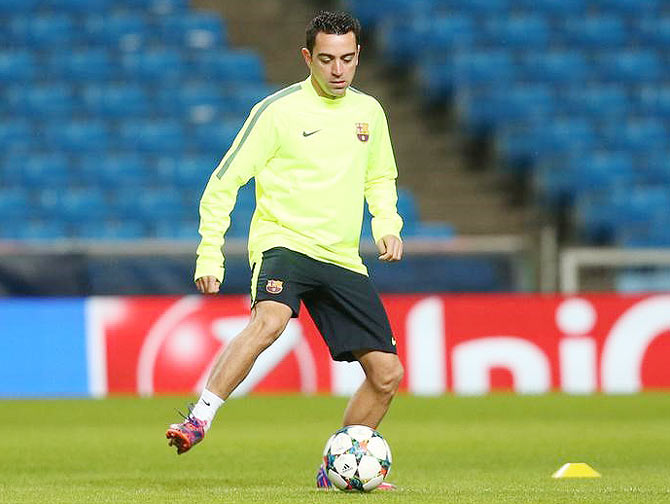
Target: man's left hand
[{"x": 390, "y": 248}]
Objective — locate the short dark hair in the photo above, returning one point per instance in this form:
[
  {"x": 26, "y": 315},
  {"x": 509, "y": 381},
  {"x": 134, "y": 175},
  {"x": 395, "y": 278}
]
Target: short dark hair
[{"x": 337, "y": 23}]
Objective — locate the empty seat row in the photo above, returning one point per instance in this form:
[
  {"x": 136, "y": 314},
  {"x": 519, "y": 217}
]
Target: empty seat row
[
  {"x": 126, "y": 32},
  {"x": 156, "y": 66},
  {"x": 87, "y": 6}
]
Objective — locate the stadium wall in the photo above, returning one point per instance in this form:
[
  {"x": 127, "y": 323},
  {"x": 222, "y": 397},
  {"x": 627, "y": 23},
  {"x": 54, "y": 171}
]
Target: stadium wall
[{"x": 467, "y": 345}]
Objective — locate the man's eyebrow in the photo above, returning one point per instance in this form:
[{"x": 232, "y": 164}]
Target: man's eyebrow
[{"x": 333, "y": 56}]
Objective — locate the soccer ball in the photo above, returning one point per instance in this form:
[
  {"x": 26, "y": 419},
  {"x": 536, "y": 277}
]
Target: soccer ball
[{"x": 357, "y": 457}]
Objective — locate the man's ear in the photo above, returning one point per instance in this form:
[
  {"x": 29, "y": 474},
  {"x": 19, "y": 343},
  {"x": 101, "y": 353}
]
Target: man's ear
[{"x": 307, "y": 56}]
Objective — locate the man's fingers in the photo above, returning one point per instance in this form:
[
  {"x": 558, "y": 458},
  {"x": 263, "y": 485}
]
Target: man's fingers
[{"x": 208, "y": 285}]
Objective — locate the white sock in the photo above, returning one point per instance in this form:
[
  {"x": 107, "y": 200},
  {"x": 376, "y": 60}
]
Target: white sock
[{"x": 205, "y": 408}]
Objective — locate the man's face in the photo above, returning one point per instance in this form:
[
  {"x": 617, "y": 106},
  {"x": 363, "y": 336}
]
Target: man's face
[{"x": 333, "y": 62}]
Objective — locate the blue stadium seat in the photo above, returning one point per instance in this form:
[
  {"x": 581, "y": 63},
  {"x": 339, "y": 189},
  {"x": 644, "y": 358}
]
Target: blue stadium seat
[
  {"x": 654, "y": 31},
  {"x": 152, "y": 135},
  {"x": 232, "y": 66},
  {"x": 431, "y": 230},
  {"x": 637, "y": 135},
  {"x": 517, "y": 32},
  {"x": 556, "y": 67},
  {"x": 155, "y": 65},
  {"x": 196, "y": 102},
  {"x": 653, "y": 100},
  {"x": 408, "y": 209},
  {"x": 124, "y": 31},
  {"x": 17, "y": 134},
  {"x": 197, "y": 30},
  {"x": 14, "y": 204},
  {"x": 13, "y": 7},
  {"x": 190, "y": 171},
  {"x": 38, "y": 170},
  {"x": 631, "y": 66},
  {"x": 111, "y": 230},
  {"x": 492, "y": 107},
  {"x": 403, "y": 39},
  {"x": 212, "y": 139},
  {"x": 82, "y": 65},
  {"x": 482, "y": 67},
  {"x": 73, "y": 205},
  {"x": 240, "y": 220},
  {"x": 79, "y": 6},
  {"x": 114, "y": 170},
  {"x": 608, "y": 100},
  {"x": 77, "y": 135},
  {"x": 161, "y": 7},
  {"x": 176, "y": 230},
  {"x": 629, "y": 7},
  {"x": 114, "y": 101},
  {"x": 154, "y": 204},
  {"x": 44, "y": 31},
  {"x": 242, "y": 99},
  {"x": 558, "y": 8},
  {"x": 654, "y": 168},
  {"x": 42, "y": 101},
  {"x": 595, "y": 32},
  {"x": 370, "y": 12},
  {"x": 41, "y": 229},
  {"x": 16, "y": 66}
]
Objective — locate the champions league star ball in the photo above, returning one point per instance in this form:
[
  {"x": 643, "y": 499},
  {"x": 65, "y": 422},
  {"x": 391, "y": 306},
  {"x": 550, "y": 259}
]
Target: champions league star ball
[{"x": 357, "y": 457}]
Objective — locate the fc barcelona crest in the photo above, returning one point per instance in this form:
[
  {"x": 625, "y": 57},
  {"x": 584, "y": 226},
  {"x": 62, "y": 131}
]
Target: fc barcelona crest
[
  {"x": 274, "y": 286},
  {"x": 362, "y": 131}
]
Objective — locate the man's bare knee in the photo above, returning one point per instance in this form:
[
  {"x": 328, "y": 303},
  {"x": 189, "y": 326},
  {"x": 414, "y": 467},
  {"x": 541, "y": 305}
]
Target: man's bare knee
[{"x": 383, "y": 370}]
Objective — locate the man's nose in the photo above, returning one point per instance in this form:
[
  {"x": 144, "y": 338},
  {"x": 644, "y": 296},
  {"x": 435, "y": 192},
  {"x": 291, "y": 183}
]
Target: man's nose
[{"x": 337, "y": 67}]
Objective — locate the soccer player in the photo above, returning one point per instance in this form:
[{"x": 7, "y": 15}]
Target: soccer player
[{"x": 316, "y": 149}]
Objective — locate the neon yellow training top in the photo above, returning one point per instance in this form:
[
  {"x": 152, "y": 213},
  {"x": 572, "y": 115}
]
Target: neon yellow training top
[{"x": 314, "y": 160}]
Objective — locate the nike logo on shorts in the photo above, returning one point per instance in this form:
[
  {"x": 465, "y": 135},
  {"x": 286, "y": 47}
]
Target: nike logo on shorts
[{"x": 306, "y": 133}]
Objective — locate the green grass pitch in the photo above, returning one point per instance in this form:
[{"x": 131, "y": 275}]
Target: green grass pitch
[{"x": 494, "y": 449}]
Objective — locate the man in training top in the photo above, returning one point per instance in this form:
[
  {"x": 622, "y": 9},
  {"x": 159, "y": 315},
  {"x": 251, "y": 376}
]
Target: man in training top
[{"x": 317, "y": 149}]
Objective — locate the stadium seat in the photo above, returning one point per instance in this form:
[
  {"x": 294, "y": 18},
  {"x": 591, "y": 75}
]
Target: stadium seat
[
  {"x": 595, "y": 32},
  {"x": 73, "y": 205},
  {"x": 44, "y": 31},
  {"x": 631, "y": 66},
  {"x": 154, "y": 203},
  {"x": 653, "y": 100},
  {"x": 194, "y": 102},
  {"x": 629, "y": 7},
  {"x": 558, "y": 8},
  {"x": 42, "y": 101},
  {"x": 14, "y": 204},
  {"x": 115, "y": 101},
  {"x": 38, "y": 170},
  {"x": 115, "y": 170},
  {"x": 152, "y": 135},
  {"x": 186, "y": 230},
  {"x": 555, "y": 67},
  {"x": 517, "y": 32},
  {"x": 17, "y": 134},
  {"x": 112, "y": 230},
  {"x": 637, "y": 135},
  {"x": 654, "y": 31},
  {"x": 214, "y": 139},
  {"x": 197, "y": 30},
  {"x": 11, "y": 7},
  {"x": 16, "y": 66},
  {"x": 41, "y": 229},
  {"x": 77, "y": 135},
  {"x": 79, "y": 6},
  {"x": 243, "y": 98},
  {"x": 231, "y": 66},
  {"x": 597, "y": 101},
  {"x": 124, "y": 31},
  {"x": 161, "y": 7},
  {"x": 191, "y": 171},
  {"x": 81, "y": 65},
  {"x": 155, "y": 65}
]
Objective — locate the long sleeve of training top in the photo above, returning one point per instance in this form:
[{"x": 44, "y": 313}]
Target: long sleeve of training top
[
  {"x": 315, "y": 160},
  {"x": 380, "y": 184},
  {"x": 250, "y": 151}
]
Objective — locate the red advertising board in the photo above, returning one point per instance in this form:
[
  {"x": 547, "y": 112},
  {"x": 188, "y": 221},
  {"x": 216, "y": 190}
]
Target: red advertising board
[{"x": 461, "y": 344}]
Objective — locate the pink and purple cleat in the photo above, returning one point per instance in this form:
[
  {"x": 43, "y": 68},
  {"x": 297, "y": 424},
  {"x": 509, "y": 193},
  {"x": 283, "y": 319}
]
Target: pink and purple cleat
[
  {"x": 187, "y": 434},
  {"x": 323, "y": 483}
]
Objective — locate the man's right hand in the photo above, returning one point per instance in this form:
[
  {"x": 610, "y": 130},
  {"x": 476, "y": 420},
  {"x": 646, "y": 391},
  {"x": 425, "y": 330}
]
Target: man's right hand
[{"x": 208, "y": 285}]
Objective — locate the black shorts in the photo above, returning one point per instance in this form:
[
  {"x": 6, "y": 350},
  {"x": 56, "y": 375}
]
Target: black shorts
[{"x": 344, "y": 304}]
